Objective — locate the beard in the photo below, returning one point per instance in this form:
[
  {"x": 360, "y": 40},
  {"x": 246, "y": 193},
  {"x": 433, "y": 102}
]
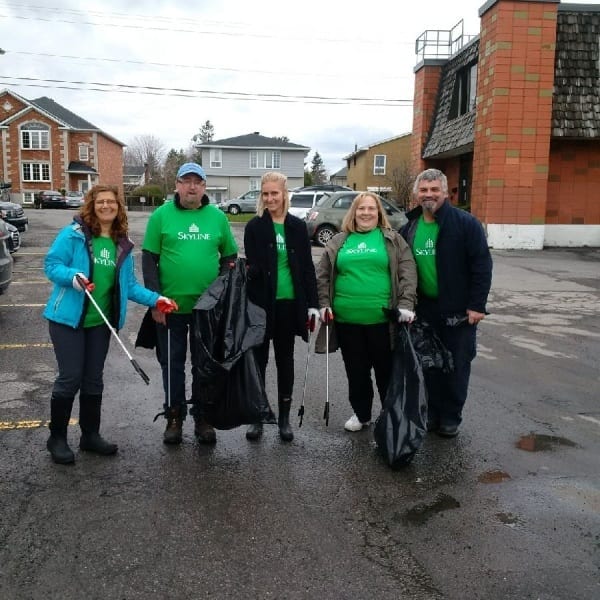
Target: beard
[{"x": 429, "y": 205}]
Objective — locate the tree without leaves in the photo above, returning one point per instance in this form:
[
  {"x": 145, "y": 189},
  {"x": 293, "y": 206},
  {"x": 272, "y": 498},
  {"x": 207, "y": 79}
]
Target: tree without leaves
[
  {"x": 146, "y": 149},
  {"x": 401, "y": 181},
  {"x": 317, "y": 170}
]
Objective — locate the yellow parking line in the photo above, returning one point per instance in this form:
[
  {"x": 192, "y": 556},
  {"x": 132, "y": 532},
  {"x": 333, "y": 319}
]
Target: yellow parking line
[
  {"x": 5, "y": 425},
  {"x": 21, "y": 305},
  {"x": 18, "y": 346}
]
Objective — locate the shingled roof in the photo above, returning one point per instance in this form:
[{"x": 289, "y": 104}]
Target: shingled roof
[
  {"x": 576, "y": 101},
  {"x": 253, "y": 140},
  {"x": 452, "y": 136}
]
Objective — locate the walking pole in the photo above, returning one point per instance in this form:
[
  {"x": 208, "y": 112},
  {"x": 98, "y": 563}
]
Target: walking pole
[
  {"x": 137, "y": 367},
  {"x": 328, "y": 316},
  {"x": 311, "y": 328}
]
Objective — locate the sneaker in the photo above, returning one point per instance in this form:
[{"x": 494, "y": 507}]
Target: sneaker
[
  {"x": 448, "y": 431},
  {"x": 204, "y": 432},
  {"x": 353, "y": 424}
]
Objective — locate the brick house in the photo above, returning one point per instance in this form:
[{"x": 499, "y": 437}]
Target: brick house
[
  {"x": 512, "y": 116},
  {"x": 45, "y": 146},
  {"x": 378, "y": 167}
]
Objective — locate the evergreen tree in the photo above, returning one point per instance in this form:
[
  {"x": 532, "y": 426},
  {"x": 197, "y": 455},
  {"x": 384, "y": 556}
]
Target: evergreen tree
[{"x": 317, "y": 170}]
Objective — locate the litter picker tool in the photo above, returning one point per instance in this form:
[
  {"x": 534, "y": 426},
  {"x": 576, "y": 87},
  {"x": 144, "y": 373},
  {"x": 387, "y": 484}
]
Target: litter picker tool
[
  {"x": 311, "y": 327},
  {"x": 137, "y": 367},
  {"x": 328, "y": 319}
]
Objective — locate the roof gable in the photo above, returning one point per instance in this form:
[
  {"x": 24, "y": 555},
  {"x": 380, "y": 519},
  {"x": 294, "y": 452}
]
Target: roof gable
[{"x": 253, "y": 140}]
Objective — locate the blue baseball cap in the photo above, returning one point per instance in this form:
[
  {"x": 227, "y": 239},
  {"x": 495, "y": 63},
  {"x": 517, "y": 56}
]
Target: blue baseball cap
[{"x": 189, "y": 168}]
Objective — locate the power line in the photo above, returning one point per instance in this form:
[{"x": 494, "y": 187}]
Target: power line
[{"x": 191, "y": 93}]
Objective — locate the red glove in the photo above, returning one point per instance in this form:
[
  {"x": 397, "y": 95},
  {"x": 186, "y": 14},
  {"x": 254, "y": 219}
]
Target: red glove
[
  {"x": 326, "y": 315},
  {"x": 166, "y": 305},
  {"x": 81, "y": 282}
]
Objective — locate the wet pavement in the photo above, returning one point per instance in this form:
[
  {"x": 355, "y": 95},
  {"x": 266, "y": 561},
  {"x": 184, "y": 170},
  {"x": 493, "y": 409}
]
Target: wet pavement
[{"x": 508, "y": 509}]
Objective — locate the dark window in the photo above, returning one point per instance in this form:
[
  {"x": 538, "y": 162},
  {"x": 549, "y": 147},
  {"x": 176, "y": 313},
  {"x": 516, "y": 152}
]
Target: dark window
[{"x": 465, "y": 91}]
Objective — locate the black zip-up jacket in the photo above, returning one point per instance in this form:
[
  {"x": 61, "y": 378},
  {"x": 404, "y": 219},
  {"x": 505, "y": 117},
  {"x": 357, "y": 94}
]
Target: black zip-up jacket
[
  {"x": 463, "y": 259},
  {"x": 261, "y": 255}
]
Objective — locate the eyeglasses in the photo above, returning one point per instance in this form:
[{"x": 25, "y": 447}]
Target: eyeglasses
[
  {"x": 104, "y": 201},
  {"x": 192, "y": 181}
]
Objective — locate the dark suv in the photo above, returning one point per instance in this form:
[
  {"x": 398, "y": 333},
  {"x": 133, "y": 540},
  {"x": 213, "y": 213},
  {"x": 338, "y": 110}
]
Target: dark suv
[
  {"x": 324, "y": 187},
  {"x": 50, "y": 199}
]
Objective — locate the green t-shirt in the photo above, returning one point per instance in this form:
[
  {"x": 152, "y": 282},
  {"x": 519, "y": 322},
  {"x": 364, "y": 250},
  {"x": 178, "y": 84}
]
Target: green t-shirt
[
  {"x": 190, "y": 244},
  {"x": 363, "y": 285},
  {"x": 424, "y": 252},
  {"x": 105, "y": 266},
  {"x": 285, "y": 286}
]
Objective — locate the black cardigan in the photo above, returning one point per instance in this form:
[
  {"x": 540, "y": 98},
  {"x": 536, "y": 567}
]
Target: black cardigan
[{"x": 261, "y": 255}]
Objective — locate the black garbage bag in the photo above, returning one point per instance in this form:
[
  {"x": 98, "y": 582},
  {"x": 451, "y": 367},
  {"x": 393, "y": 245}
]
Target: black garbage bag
[
  {"x": 429, "y": 347},
  {"x": 228, "y": 326},
  {"x": 402, "y": 424}
]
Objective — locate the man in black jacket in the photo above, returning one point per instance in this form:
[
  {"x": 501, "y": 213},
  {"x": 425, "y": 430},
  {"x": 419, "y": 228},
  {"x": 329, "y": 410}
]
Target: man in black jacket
[{"x": 455, "y": 274}]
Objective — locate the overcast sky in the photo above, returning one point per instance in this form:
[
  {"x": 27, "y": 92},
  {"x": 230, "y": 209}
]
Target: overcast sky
[{"x": 164, "y": 68}]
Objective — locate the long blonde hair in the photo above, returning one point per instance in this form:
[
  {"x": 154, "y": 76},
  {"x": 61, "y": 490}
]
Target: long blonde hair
[
  {"x": 273, "y": 177},
  {"x": 349, "y": 222}
]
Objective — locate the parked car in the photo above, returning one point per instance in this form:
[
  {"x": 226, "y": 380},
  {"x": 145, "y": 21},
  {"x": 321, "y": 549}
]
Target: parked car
[
  {"x": 13, "y": 242},
  {"x": 74, "y": 199},
  {"x": 302, "y": 202},
  {"x": 14, "y": 214},
  {"x": 244, "y": 203},
  {"x": 325, "y": 219},
  {"x": 50, "y": 199},
  {"x": 322, "y": 187},
  {"x": 6, "y": 260}
]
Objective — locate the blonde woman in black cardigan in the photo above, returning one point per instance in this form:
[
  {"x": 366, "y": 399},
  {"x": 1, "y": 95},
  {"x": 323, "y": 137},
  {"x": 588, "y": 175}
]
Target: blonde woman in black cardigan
[{"x": 281, "y": 279}]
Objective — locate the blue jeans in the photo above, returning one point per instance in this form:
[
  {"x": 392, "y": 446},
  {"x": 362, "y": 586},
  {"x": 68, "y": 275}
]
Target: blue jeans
[{"x": 180, "y": 329}]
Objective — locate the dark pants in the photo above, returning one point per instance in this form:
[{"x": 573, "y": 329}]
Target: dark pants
[
  {"x": 80, "y": 354},
  {"x": 180, "y": 330},
  {"x": 365, "y": 347},
  {"x": 283, "y": 346},
  {"x": 447, "y": 392}
]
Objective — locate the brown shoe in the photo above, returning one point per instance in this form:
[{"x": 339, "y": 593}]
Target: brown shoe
[
  {"x": 173, "y": 431},
  {"x": 204, "y": 432}
]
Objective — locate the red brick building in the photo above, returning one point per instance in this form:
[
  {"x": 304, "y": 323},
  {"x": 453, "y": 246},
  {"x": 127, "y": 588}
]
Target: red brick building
[
  {"x": 512, "y": 116},
  {"x": 45, "y": 146}
]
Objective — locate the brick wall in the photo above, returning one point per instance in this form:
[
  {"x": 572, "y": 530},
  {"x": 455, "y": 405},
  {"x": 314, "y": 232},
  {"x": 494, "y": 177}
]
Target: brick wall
[{"x": 109, "y": 162}]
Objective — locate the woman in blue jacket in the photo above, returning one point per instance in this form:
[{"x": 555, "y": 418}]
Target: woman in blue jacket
[{"x": 96, "y": 252}]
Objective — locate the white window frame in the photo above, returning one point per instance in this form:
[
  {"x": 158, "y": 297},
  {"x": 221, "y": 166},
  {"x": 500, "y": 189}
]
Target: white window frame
[
  {"x": 28, "y": 197},
  {"x": 37, "y": 139},
  {"x": 378, "y": 168},
  {"x": 254, "y": 183},
  {"x": 28, "y": 171},
  {"x": 261, "y": 159},
  {"x": 84, "y": 152},
  {"x": 216, "y": 158}
]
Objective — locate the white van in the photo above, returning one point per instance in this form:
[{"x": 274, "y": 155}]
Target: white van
[{"x": 302, "y": 202}]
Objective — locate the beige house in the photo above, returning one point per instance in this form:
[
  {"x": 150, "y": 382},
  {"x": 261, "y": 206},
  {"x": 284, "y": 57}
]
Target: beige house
[{"x": 379, "y": 166}]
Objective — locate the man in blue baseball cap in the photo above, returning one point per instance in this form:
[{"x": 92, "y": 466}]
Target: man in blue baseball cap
[{"x": 187, "y": 242}]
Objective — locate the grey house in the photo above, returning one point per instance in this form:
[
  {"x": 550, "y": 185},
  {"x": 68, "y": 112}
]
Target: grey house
[{"x": 235, "y": 165}]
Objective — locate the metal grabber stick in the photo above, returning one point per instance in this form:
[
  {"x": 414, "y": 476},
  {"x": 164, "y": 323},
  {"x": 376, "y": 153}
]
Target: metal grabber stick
[
  {"x": 168, "y": 364},
  {"x": 137, "y": 367},
  {"x": 328, "y": 317},
  {"x": 311, "y": 328}
]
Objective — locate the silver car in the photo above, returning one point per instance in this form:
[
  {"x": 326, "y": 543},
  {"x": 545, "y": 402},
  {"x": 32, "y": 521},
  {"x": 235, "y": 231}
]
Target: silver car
[
  {"x": 245, "y": 203},
  {"x": 74, "y": 199}
]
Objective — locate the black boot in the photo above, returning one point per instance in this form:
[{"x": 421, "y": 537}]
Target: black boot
[
  {"x": 285, "y": 430},
  {"x": 254, "y": 431},
  {"x": 90, "y": 406},
  {"x": 174, "y": 430},
  {"x": 60, "y": 413}
]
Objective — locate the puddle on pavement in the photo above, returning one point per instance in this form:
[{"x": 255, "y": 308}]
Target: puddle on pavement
[
  {"x": 421, "y": 513},
  {"x": 538, "y": 442},
  {"x": 493, "y": 477},
  {"x": 508, "y": 518}
]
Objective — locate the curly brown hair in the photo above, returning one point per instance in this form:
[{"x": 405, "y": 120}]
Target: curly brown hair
[{"x": 120, "y": 226}]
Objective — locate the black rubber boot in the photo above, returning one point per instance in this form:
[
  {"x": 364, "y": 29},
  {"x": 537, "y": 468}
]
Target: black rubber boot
[
  {"x": 254, "y": 431},
  {"x": 174, "y": 430},
  {"x": 285, "y": 430},
  {"x": 90, "y": 406},
  {"x": 60, "y": 413}
]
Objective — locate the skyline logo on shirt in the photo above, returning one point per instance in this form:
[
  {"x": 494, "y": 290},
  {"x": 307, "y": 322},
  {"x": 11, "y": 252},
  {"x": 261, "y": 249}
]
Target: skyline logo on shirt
[
  {"x": 362, "y": 248},
  {"x": 193, "y": 233},
  {"x": 429, "y": 249},
  {"x": 104, "y": 259},
  {"x": 280, "y": 241}
]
